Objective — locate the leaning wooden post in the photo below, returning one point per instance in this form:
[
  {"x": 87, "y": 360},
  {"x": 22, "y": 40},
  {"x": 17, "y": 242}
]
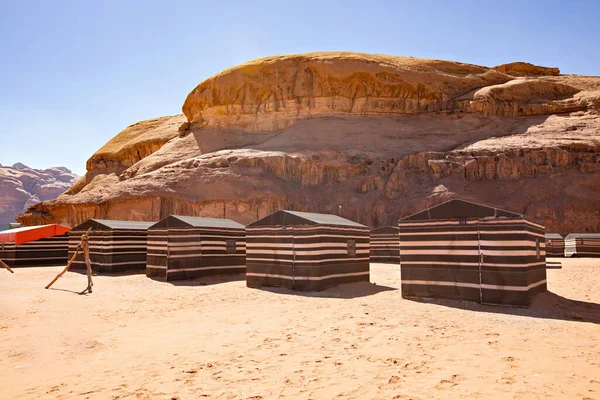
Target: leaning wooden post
[
  {"x": 6, "y": 266},
  {"x": 84, "y": 238},
  {"x": 86, "y": 256}
]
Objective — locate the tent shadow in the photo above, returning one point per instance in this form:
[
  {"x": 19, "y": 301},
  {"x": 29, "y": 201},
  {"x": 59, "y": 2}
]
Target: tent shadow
[
  {"x": 206, "y": 280},
  {"x": 95, "y": 273},
  {"x": 545, "y": 305},
  {"x": 345, "y": 291}
]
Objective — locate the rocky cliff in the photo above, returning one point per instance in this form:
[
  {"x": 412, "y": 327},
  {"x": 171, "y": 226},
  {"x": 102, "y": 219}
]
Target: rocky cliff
[
  {"x": 22, "y": 187},
  {"x": 381, "y": 136}
]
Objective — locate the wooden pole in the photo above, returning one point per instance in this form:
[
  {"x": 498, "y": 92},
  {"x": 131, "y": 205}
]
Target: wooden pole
[
  {"x": 77, "y": 251},
  {"x": 6, "y": 266},
  {"x": 80, "y": 248},
  {"x": 88, "y": 264}
]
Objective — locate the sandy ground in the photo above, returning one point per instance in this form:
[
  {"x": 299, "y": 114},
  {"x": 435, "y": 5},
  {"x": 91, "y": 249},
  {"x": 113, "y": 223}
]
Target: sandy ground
[{"x": 136, "y": 338}]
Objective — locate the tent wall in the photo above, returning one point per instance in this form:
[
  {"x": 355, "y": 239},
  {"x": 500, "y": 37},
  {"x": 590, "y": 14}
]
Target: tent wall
[
  {"x": 50, "y": 251},
  {"x": 570, "y": 247},
  {"x": 385, "y": 246},
  {"x": 555, "y": 247},
  {"x": 306, "y": 257},
  {"x": 513, "y": 261},
  {"x": 156, "y": 261},
  {"x": 500, "y": 261},
  {"x": 191, "y": 252},
  {"x": 112, "y": 250},
  {"x": 582, "y": 247},
  {"x": 588, "y": 247},
  {"x": 8, "y": 253}
]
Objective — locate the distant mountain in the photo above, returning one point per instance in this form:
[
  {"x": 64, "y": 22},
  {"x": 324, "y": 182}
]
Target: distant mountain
[{"x": 22, "y": 187}]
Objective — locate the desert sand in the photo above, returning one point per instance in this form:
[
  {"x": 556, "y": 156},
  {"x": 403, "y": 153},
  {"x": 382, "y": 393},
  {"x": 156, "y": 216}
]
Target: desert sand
[{"x": 135, "y": 338}]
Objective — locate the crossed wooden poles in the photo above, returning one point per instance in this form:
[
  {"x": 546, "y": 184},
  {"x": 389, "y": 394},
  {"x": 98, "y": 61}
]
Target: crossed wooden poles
[{"x": 82, "y": 247}]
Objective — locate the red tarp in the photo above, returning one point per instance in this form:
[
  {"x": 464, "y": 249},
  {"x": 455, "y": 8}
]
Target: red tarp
[{"x": 31, "y": 233}]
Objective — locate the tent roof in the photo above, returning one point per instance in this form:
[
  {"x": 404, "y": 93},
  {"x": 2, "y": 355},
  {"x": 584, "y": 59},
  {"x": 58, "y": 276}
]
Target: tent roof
[
  {"x": 583, "y": 235},
  {"x": 286, "y": 217},
  {"x": 113, "y": 224},
  {"x": 553, "y": 236},
  {"x": 31, "y": 233},
  {"x": 197, "y": 222},
  {"x": 459, "y": 209},
  {"x": 386, "y": 229}
]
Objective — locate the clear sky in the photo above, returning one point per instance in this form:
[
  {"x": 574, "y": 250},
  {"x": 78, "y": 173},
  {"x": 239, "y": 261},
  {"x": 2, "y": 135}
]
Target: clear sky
[{"x": 75, "y": 73}]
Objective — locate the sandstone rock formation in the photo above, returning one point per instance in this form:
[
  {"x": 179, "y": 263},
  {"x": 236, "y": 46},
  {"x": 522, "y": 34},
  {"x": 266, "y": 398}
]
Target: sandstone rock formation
[
  {"x": 381, "y": 136},
  {"x": 22, "y": 187},
  {"x": 526, "y": 69}
]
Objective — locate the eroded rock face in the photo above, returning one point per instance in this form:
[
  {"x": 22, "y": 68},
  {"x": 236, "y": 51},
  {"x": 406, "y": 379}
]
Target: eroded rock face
[
  {"x": 380, "y": 136},
  {"x": 272, "y": 93},
  {"x": 526, "y": 69},
  {"x": 22, "y": 187}
]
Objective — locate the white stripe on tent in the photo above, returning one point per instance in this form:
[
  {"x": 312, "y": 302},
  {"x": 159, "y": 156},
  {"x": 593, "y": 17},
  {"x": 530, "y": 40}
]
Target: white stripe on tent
[
  {"x": 475, "y": 285},
  {"x": 170, "y": 270},
  {"x": 306, "y": 278}
]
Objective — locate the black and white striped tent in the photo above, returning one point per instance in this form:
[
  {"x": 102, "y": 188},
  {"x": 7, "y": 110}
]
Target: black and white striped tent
[
  {"x": 306, "y": 251},
  {"x": 181, "y": 247},
  {"x": 35, "y": 246},
  {"x": 555, "y": 245},
  {"x": 385, "y": 246},
  {"x": 115, "y": 246},
  {"x": 469, "y": 251},
  {"x": 582, "y": 245}
]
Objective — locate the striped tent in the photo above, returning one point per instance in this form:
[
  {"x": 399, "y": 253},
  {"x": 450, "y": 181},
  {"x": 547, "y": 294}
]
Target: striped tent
[
  {"x": 34, "y": 246},
  {"x": 306, "y": 251},
  {"x": 385, "y": 247},
  {"x": 582, "y": 245},
  {"x": 181, "y": 247},
  {"x": 469, "y": 251},
  {"x": 115, "y": 246},
  {"x": 555, "y": 245}
]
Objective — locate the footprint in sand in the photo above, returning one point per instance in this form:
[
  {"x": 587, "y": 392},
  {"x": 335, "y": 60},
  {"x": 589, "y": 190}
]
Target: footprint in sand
[
  {"x": 445, "y": 384},
  {"x": 507, "y": 380},
  {"x": 511, "y": 361},
  {"x": 93, "y": 344},
  {"x": 413, "y": 366}
]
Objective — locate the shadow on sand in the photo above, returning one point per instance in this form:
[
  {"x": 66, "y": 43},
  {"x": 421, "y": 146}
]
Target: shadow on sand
[
  {"x": 115, "y": 274},
  {"x": 545, "y": 305},
  {"x": 81, "y": 292},
  {"x": 207, "y": 280},
  {"x": 345, "y": 291}
]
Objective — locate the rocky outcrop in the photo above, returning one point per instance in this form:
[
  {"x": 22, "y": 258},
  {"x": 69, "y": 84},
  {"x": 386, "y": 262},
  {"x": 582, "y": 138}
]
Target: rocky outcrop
[
  {"x": 22, "y": 187},
  {"x": 380, "y": 136},
  {"x": 526, "y": 69},
  {"x": 134, "y": 143},
  {"x": 272, "y": 93}
]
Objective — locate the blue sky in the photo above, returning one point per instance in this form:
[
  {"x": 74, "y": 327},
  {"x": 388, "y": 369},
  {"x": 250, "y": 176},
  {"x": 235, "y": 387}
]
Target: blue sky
[{"x": 75, "y": 73}]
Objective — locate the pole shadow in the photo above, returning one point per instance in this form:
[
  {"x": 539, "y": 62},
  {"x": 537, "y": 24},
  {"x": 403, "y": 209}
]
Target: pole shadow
[{"x": 81, "y": 293}]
